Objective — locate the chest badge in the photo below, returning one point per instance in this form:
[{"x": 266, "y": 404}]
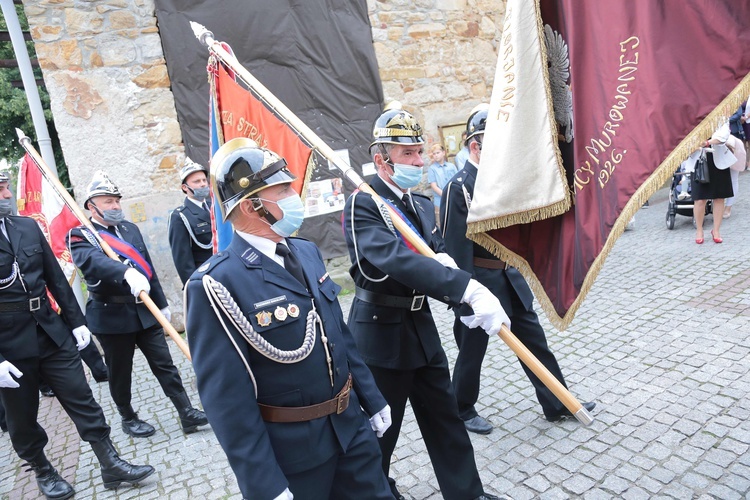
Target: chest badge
[
  {"x": 293, "y": 310},
  {"x": 280, "y": 313},
  {"x": 264, "y": 318}
]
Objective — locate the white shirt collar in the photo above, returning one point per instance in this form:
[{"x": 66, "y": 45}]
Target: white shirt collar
[
  {"x": 199, "y": 203},
  {"x": 264, "y": 245}
]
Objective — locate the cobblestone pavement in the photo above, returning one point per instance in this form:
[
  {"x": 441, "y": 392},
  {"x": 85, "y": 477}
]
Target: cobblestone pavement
[{"x": 662, "y": 344}]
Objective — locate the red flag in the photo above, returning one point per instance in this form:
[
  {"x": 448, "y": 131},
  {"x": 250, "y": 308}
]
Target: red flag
[
  {"x": 39, "y": 200},
  {"x": 242, "y": 115},
  {"x": 602, "y": 100},
  {"x": 235, "y": 112}
]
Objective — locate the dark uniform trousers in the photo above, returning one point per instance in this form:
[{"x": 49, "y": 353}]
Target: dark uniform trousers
[
  {"x": 511, "y": 289},
  {"x": 334, "y": 456},
  {"x": 119, "y": 350},
  {"x": 39, "y": 341},
  {"x": 61, "y": 368},
  {"x": 402, "y": 347},
  {"x": 118, "y": 321}
]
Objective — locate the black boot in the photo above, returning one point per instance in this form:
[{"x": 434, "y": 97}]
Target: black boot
[
  {"x": 49, "y": 481},
  {"x": 190, "y": 418},
  {"x": 92, "y": 358},
  {"x": 115, "y": 470},
  {"x": 134, "y": 426}
]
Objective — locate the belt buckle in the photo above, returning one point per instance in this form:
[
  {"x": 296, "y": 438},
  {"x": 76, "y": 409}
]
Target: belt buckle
[
  {"x": 417, "y": 302},
  {"x": 35, "y": 304}
]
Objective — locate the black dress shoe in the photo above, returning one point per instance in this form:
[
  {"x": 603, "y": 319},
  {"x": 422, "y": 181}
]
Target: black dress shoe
[
  {"x": 487, "y": 496},
  {"x": 565, "y": 413},
  {"x": 101, "y": 377},
  {"x": 478, "y": 425},
  {"x": 47, "y": 391}
]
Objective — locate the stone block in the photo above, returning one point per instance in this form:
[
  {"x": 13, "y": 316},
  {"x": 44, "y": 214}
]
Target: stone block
[
  {"x": 431, "y": 30},
  {"x": 450, "y": 5},
  {"x": 79, "y": 21},
  {"x": 122, "y": 19},
  {"x": 153, "y": 77},
  {"x": 116, "y": 50},
  {"x": 59, "y": 55},
  {"x": 45, "y": 33}
]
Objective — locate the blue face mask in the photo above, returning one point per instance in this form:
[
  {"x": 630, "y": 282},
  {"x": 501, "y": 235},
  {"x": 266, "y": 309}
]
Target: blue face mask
[
  {"x": 6, "y": 207},
  {"x": 406, "y": 176},
  {"x": 293, "y": 214}
]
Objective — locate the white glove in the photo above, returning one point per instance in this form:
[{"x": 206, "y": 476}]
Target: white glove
[
  {"x": 285, "y": 495},
  {"x": 6, "y": 368},
  {"x": 488, "y": 313},
  {"x": 381, "y": 421},
  {"x": 137, "y": 282},
  {"x": 83, "y": 336},
  {"x": 167, "y": 314},
  {"x": 446, "y": 260}
]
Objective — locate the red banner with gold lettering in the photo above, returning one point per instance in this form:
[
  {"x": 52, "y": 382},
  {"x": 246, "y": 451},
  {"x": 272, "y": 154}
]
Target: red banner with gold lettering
[
  {"x": 595, "y": 105},
  {"x": 242, "y": 115}
]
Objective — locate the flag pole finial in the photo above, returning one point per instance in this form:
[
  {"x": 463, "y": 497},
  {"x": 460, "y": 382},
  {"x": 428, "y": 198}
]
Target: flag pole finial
[
  {"x": 21, "y": 136},
  {"x": 201, "y": 33}
]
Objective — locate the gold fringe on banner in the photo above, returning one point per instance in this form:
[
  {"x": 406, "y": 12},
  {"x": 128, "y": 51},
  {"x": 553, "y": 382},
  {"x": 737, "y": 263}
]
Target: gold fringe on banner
[{"x": 662, "y": 174}]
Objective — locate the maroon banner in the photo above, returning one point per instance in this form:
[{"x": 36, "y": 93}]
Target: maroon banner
[{"x": 650, "y": 80}]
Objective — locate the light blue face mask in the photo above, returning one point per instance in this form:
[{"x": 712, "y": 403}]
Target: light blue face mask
[
  {"x": 6, "y": 207},
  {"x": 406, "y": 176},
  {"x": 293, "y": 214}
]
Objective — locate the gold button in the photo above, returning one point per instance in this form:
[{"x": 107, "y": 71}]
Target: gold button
[{"x": 374, "y": 318}]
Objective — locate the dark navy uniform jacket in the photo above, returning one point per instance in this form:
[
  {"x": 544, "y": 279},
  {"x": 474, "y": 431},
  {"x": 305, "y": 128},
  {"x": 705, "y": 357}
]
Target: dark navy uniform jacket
[
  {"x": 188, "y": 256},
  {"x": 38, "y": 269},
  {"x": 261, "y": 453},
  {"x": 501, "y": 282},
  {"x": 105, "y": 276},
  {"x": 391, "y": 337}
]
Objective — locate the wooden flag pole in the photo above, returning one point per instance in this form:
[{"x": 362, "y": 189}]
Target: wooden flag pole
[
  {"x": 207, "y": 38},
  {"x": 73, "y": 206}
]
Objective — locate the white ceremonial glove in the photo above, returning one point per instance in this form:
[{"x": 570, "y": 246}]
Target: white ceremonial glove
[
  {"x": 446, "y": 260},
  {"x": 167, "y": 314},
  {"x": 6, "y": 381},
  {"x": 381, "y": 421},
  {"x": 285, "y": 495},
  {"x": 489, "y": 315},
  {"x": 83, "y": 336},
  {"x": 137, "y": 282}
]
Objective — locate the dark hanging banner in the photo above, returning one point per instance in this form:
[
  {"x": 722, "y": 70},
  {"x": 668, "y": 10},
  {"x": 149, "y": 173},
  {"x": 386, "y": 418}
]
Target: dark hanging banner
[{"x": 316, "y": 56}]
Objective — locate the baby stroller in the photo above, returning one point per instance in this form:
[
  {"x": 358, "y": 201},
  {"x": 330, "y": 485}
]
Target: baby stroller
[{"x": 680, "y": 201}]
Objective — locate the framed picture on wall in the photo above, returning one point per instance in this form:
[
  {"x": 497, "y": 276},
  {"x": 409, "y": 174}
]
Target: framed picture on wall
[{"x": 450, "y": 137}]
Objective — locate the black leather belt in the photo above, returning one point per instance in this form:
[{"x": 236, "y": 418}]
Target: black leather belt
[
  {"x": 30, "y": 305},
  {"x": 114, "y": 299},
  {"x": 413, "y": 303}
]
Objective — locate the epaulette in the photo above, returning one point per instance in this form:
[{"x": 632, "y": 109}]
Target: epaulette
[
  {"x": 421, "y": 196},
  {"x": 210, "y": 264},
  {"x": 298, "y": 238}
]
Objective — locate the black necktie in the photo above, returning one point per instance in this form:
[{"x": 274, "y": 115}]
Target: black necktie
[
  {"x": 290, "y": 262},
  {"x": 410, "y": 208}
]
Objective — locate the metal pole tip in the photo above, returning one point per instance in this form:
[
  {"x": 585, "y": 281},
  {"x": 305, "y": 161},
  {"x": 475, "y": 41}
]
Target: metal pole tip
[{"x": 584, "y": 416}]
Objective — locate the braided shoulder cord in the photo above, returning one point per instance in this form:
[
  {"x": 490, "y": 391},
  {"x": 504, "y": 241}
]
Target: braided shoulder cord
[
  {"x": 230, "y": 308},
  {"x": 90, "y": 238},
  {"x": 6, "y": 282},
  {"x": 388, "y": 222},
  {"x": 204, "y": 246}
]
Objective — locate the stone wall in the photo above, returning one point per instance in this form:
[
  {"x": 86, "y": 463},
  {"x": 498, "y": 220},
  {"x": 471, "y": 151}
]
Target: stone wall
[
  {"x": 105, "y": 71},
  {"x": 437, "y": 57}
]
